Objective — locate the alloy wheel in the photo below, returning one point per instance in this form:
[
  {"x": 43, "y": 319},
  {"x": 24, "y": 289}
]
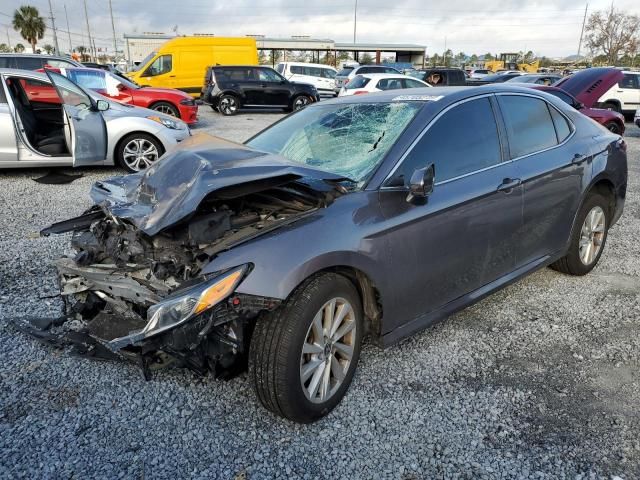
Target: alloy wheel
[
  {"x": 328, "y": 350},
  {"x": 592, "y": 235},
  {"x": 300, "y": 102},
  {"x": 139, "y": 154},
  {"x": 228, "y": 105},
  {"x": 166, "y": 109}
]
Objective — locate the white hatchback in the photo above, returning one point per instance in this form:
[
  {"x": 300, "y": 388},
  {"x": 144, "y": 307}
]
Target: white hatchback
[
  {"x": 323, "y": 77},
  {"x": 379, "y": 82}
]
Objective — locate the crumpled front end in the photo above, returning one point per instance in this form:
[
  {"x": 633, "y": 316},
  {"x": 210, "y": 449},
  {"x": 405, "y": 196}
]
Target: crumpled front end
[{"x": 144, "y": 297}]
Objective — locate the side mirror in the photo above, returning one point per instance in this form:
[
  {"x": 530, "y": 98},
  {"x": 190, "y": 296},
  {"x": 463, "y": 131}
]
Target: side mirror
[
  {"x": 579, "y": 106},
  {"x": 121, "y": 87},
  {"x": 102, "y": 105},
  {"x": 421, "y": 184}
]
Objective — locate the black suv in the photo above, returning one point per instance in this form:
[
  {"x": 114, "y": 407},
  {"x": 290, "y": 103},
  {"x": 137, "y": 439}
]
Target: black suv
[
  {"x": 449, "y": 77},
  {"x": 30, "y": 61},
  {"x": 230, "y": 88}
]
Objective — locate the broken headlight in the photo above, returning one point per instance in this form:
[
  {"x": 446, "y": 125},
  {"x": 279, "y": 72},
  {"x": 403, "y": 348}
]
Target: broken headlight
[{"x": 176, "y": 310}]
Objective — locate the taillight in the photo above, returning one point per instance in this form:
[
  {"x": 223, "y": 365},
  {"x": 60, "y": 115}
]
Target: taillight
[{"x": 360, "y": 92}]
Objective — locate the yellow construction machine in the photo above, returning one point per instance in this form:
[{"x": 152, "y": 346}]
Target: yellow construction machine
[{"x": 509, "y": 61}]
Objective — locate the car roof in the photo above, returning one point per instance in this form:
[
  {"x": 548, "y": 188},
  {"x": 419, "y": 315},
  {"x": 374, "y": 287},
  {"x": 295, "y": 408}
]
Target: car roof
[
  {"x": 22, "y": 73},
  {"x": 305, "y": 64},
  {"x": 384, "y": 75}
]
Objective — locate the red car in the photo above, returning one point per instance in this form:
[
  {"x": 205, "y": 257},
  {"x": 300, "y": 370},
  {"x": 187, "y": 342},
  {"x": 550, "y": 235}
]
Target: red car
[
  {"x": 582, "y": 91},
  {"x": 164, "y": 100}
]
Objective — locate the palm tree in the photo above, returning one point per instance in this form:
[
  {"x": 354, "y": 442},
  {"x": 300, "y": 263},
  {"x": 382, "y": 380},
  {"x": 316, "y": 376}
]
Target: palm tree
[
  {"x": 4, "y": 48},
  {"x": 30, "y": 24},
  {"x": 19, "y": 48},
  {"x": 48, "y": 48}
]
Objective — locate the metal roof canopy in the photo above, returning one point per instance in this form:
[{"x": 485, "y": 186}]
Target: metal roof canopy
[{"x": 380, "y": 47}]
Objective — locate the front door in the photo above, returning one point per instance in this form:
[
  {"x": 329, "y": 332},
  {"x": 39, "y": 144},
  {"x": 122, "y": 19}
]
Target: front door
[
  {"x": 628, "y": 91},
  {"x": 276, "y": 87},
  {"x": 464, "y": 236},
  {"x": 88, "y": 128}
]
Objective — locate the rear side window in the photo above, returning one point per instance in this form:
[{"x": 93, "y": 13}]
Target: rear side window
[
  {"x": 296, "y": 69},
  {"x": 562, "y": 96},
  {"x": 529, "y": 124},
  {"x": 236, "y": 74},
  {"x": 411, "y": 83},
  {"x": 28, "y": 63},
  {"x": 7, "y": 62},
  {"x": 328, "y": 73},
  {"x": 345, "y": 72},
  {"x": 389, "y": 84},
  {"x": 357, "y": 82},
  {"x": 630, "y": 81},
  {"x": 464, "y": 140},
  {"x": 280, "y": 68},
  {"x": 390, "y": 70},
  {"x": 563, "y": 130}
]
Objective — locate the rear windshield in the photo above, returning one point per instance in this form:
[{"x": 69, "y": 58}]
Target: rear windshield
[
  {"x": 345, "y": 71},
  {"x": 357, "y": 82}
]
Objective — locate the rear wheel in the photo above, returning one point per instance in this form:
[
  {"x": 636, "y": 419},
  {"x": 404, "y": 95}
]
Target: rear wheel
[
  {"x": 300, "y": 102},
  {"x": 304, "y": 355},
  {"x": 166, "y": 108},
  {"x": 138, "y": 151},
  {"x": 588, "y": 239},
  {"x": 228, "y": 105}
]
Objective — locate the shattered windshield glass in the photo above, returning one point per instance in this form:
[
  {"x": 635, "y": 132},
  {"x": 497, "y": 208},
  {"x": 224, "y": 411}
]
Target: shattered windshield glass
[{"x": 345, "y": 139}]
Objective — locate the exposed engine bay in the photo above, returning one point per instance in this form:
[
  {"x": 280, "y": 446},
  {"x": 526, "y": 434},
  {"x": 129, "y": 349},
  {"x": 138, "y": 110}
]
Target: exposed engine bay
[{"x": 135, "y": 287}]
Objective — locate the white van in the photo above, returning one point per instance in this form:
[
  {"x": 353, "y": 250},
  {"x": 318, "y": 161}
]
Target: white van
[{"x": 320, "y": 76}]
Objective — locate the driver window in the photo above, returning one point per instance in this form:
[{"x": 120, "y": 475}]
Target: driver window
[
  {"x": 70, "y": 92},
  {"x": 160, "y": 66},
  {"x": 464, "y": 140},
  {"x": 267, "y": 75}
]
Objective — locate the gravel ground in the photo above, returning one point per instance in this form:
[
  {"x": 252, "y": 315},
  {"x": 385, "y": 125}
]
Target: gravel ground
[{"x": 541, "y": 380}]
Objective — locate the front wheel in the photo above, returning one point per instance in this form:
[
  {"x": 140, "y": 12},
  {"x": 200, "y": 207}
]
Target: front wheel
[
  {"x": 588, "y": 238},
  {"x": 613, "y": 127},
  {"x": 138, "y": 151},
  {"x": 300, "y": 102},
  {"x": 304, "y": 355},
  {"x": 166, "y": 108}
]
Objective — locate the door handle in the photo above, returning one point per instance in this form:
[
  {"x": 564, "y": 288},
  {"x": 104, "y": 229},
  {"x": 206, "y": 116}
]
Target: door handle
[
  {"x": 620, "y": 91},
  {"x": 578, "y": 159},
  {"x": 263, "y": 85},
  {"x": 172, "y": 76},
  {"x": 509, "y": 184}
]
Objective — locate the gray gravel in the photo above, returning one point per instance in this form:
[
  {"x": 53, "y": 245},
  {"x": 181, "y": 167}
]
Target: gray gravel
[{"x": 541, "y": 380}]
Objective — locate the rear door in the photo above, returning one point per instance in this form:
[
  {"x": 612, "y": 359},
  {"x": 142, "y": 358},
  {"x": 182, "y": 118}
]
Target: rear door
[
  {"x": 88, "y": 128},
  {"x": 628, "y": 91},
  {"x": 553, "y": 170}
]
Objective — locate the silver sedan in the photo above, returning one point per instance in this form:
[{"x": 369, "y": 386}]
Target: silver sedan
[{"x": 48, "y": 120}]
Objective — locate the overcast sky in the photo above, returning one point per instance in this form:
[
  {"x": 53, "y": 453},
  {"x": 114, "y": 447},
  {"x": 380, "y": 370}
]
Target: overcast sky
[{"x": 547, "y": 27}]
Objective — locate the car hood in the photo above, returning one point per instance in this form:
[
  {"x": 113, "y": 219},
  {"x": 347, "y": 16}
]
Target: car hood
[
  {"x": 117, "y": 110},
  {"x": 172, "y": 189},
  {"x": 164, "y": 91},
  {"x": 590, "y": 84}
]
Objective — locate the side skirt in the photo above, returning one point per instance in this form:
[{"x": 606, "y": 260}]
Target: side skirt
[{"x": 424, "y": 321}]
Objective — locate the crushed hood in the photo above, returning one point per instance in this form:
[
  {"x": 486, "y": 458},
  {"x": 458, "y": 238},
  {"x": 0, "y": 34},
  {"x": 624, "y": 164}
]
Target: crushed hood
[
  {"x": 173, "y": 188},
  {"x": 590, "y": 84}
]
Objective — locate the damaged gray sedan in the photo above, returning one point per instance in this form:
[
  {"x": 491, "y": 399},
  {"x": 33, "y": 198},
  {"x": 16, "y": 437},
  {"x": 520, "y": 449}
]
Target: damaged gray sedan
[{"x": 361, "y": 216}]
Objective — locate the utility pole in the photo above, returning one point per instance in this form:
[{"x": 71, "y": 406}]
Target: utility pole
[
  {"x": 584, "y": 20},
  {"x": 53, "y": 25},
  {"x": 355, "y": 20},
  {"x": 86, "y": 16},
  {"x": 113, "y": 28},
  {"x": 9, "y": 39},
  {"x": 68, "y": 31}
]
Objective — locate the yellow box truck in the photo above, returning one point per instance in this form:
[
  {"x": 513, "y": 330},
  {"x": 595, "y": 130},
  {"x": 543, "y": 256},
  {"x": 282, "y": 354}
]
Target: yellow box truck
[{"x": 182, "y": 61}]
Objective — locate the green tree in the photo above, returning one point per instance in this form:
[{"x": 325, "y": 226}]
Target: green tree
[
  {"x": 30, "y": 24},
  {"x": 48, "y": 48},
  {"x": 488, "y": 57},
  {"x": 435, "y": 59},
  {"x": 83, "y": 53},
  {"x": 613, "y": 34},
  {"x": 448, "y": 56},
  {"x": 461, "y": 58},
  {"x": 529, "y": 57},
  {"x": 366, "y": 59},
  {"x": 262, "y": 58},
  {"x": 4, "y": 48},
  {"x": 19, "y": 48},
  {"x": 474, "y": 59}
]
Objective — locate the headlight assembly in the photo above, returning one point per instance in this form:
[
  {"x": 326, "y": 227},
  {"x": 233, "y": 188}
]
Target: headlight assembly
[
  {"x": 176, "y": 310},
  {"x": 167, "y": 122}
]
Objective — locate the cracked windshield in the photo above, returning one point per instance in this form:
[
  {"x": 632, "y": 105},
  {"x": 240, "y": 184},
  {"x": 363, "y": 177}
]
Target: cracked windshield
[{"x": 348, "y": 140}]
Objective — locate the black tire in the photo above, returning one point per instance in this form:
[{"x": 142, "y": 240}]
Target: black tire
[
  {"x": 228, "y": 105},
  {"x": 571, "y": 263},
  {"x": 613, "y": 127},
  {"x": 121, "y": 156},
  {"x": 276, "y": 349},
  {"x": 612, "y": 106},
  {"x": 166, "y": 108},
  {"x": 299, "y": 102}
]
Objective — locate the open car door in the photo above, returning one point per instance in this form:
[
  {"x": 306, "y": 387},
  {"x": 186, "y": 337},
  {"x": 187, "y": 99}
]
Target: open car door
[{"x": 88, "y": 131}]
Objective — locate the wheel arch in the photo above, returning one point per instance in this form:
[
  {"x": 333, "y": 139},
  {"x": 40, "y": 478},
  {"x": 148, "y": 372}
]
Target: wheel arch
[
  {"x": 603, "y": 185},
  {"x": 173, "y": 104},
  {"x": 118, "y": 143}
]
